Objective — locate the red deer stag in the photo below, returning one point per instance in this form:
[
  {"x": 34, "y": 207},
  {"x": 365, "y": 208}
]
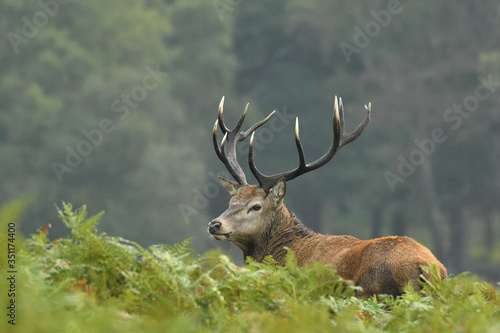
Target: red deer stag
[{"x": 260, "y": 224}]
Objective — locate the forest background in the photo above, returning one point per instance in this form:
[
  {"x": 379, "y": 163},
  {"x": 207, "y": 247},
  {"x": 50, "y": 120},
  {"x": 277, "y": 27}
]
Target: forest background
[{"x": 111, "y": 104}]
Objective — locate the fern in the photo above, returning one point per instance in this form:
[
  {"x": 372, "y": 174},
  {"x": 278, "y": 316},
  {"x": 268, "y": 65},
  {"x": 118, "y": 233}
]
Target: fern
[{"x": 90, "y": 281}]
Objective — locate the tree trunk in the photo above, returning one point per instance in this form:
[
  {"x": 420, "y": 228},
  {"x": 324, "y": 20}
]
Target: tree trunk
[
  {"x": 489, "y": 231},
  {"x": 399, "y": 222},
  {"x": 495, "y": 212},
  {"x": 436, "y": 216},
  {"x": 460, "y": 240},
  {"x": 311, "y": 208},
  {"x": 376, "y": 213}
]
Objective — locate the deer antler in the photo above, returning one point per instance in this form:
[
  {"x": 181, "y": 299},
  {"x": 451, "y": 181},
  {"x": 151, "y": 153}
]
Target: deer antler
[
  {"x": 231, "y": 137},
  {"x": 340, "y": 138}
]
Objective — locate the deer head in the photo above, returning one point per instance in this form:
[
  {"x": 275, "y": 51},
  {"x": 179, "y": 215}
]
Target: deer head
[{"x": 252, "y": 208}]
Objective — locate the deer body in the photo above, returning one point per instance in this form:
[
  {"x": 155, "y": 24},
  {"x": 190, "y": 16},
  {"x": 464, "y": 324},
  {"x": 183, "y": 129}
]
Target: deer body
[{"x": 260, "y": 224}]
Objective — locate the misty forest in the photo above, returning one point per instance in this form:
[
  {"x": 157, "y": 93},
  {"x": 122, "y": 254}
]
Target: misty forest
[{"x": 111, "y": 105}]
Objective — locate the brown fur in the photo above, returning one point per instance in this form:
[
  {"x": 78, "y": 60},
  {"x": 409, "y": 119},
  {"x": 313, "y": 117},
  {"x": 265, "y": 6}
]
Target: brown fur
[{"x": 381, "y": 266}]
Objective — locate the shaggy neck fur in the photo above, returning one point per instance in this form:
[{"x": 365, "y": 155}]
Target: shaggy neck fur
[{"x": 285, "y": 230}]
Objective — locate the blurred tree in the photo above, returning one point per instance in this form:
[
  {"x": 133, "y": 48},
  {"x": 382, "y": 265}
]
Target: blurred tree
[
  {"x": 424, "y": 73},
  {"x": 489, "y": 65},
  {"x": 90, "y": 114}
]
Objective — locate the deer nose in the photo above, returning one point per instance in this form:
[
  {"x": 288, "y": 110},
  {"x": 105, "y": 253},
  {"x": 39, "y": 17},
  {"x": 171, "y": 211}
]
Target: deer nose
[{"x": 213, "y": 227}]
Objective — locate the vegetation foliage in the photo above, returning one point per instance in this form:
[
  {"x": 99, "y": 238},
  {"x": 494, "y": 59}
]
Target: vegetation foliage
[
  {"x": 90, "y": 281},
  {"x": 73, "y": 69}
]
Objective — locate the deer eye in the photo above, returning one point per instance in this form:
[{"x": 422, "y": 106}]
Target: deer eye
[{"x": 256, "y": 207}]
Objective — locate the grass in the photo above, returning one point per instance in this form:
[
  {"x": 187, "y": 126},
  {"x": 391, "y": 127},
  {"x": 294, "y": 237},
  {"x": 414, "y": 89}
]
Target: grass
[{"x": 90, "y": 282}]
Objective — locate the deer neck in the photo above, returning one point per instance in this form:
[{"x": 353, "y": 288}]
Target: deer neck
[{"x": 285, "y": 231}]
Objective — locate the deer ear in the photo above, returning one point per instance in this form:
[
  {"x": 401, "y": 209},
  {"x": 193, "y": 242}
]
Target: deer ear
[
  {"x": 231, "y": 187},
  {"x": 277, "y": 192}
]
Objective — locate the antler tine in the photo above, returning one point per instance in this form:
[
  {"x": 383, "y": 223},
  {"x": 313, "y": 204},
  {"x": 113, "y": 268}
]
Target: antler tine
[
  {"x": 219, "y": 151},
  {"x": 341, "y": 108},
  {"x": 302, "y": 159},
  {"x": 340, "y": 138},
  {"x": 257, "y": 125},
  {"x": 223, "y": 127},
  {"x": 242, "y": 118},
  {"x": 258, "y": 175},
  {"x": 346, "y": 138},
  {"x": 227, "y": 150},
  {"x": 215, "y": 142},
  {"x": 338, "y": 123}
]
